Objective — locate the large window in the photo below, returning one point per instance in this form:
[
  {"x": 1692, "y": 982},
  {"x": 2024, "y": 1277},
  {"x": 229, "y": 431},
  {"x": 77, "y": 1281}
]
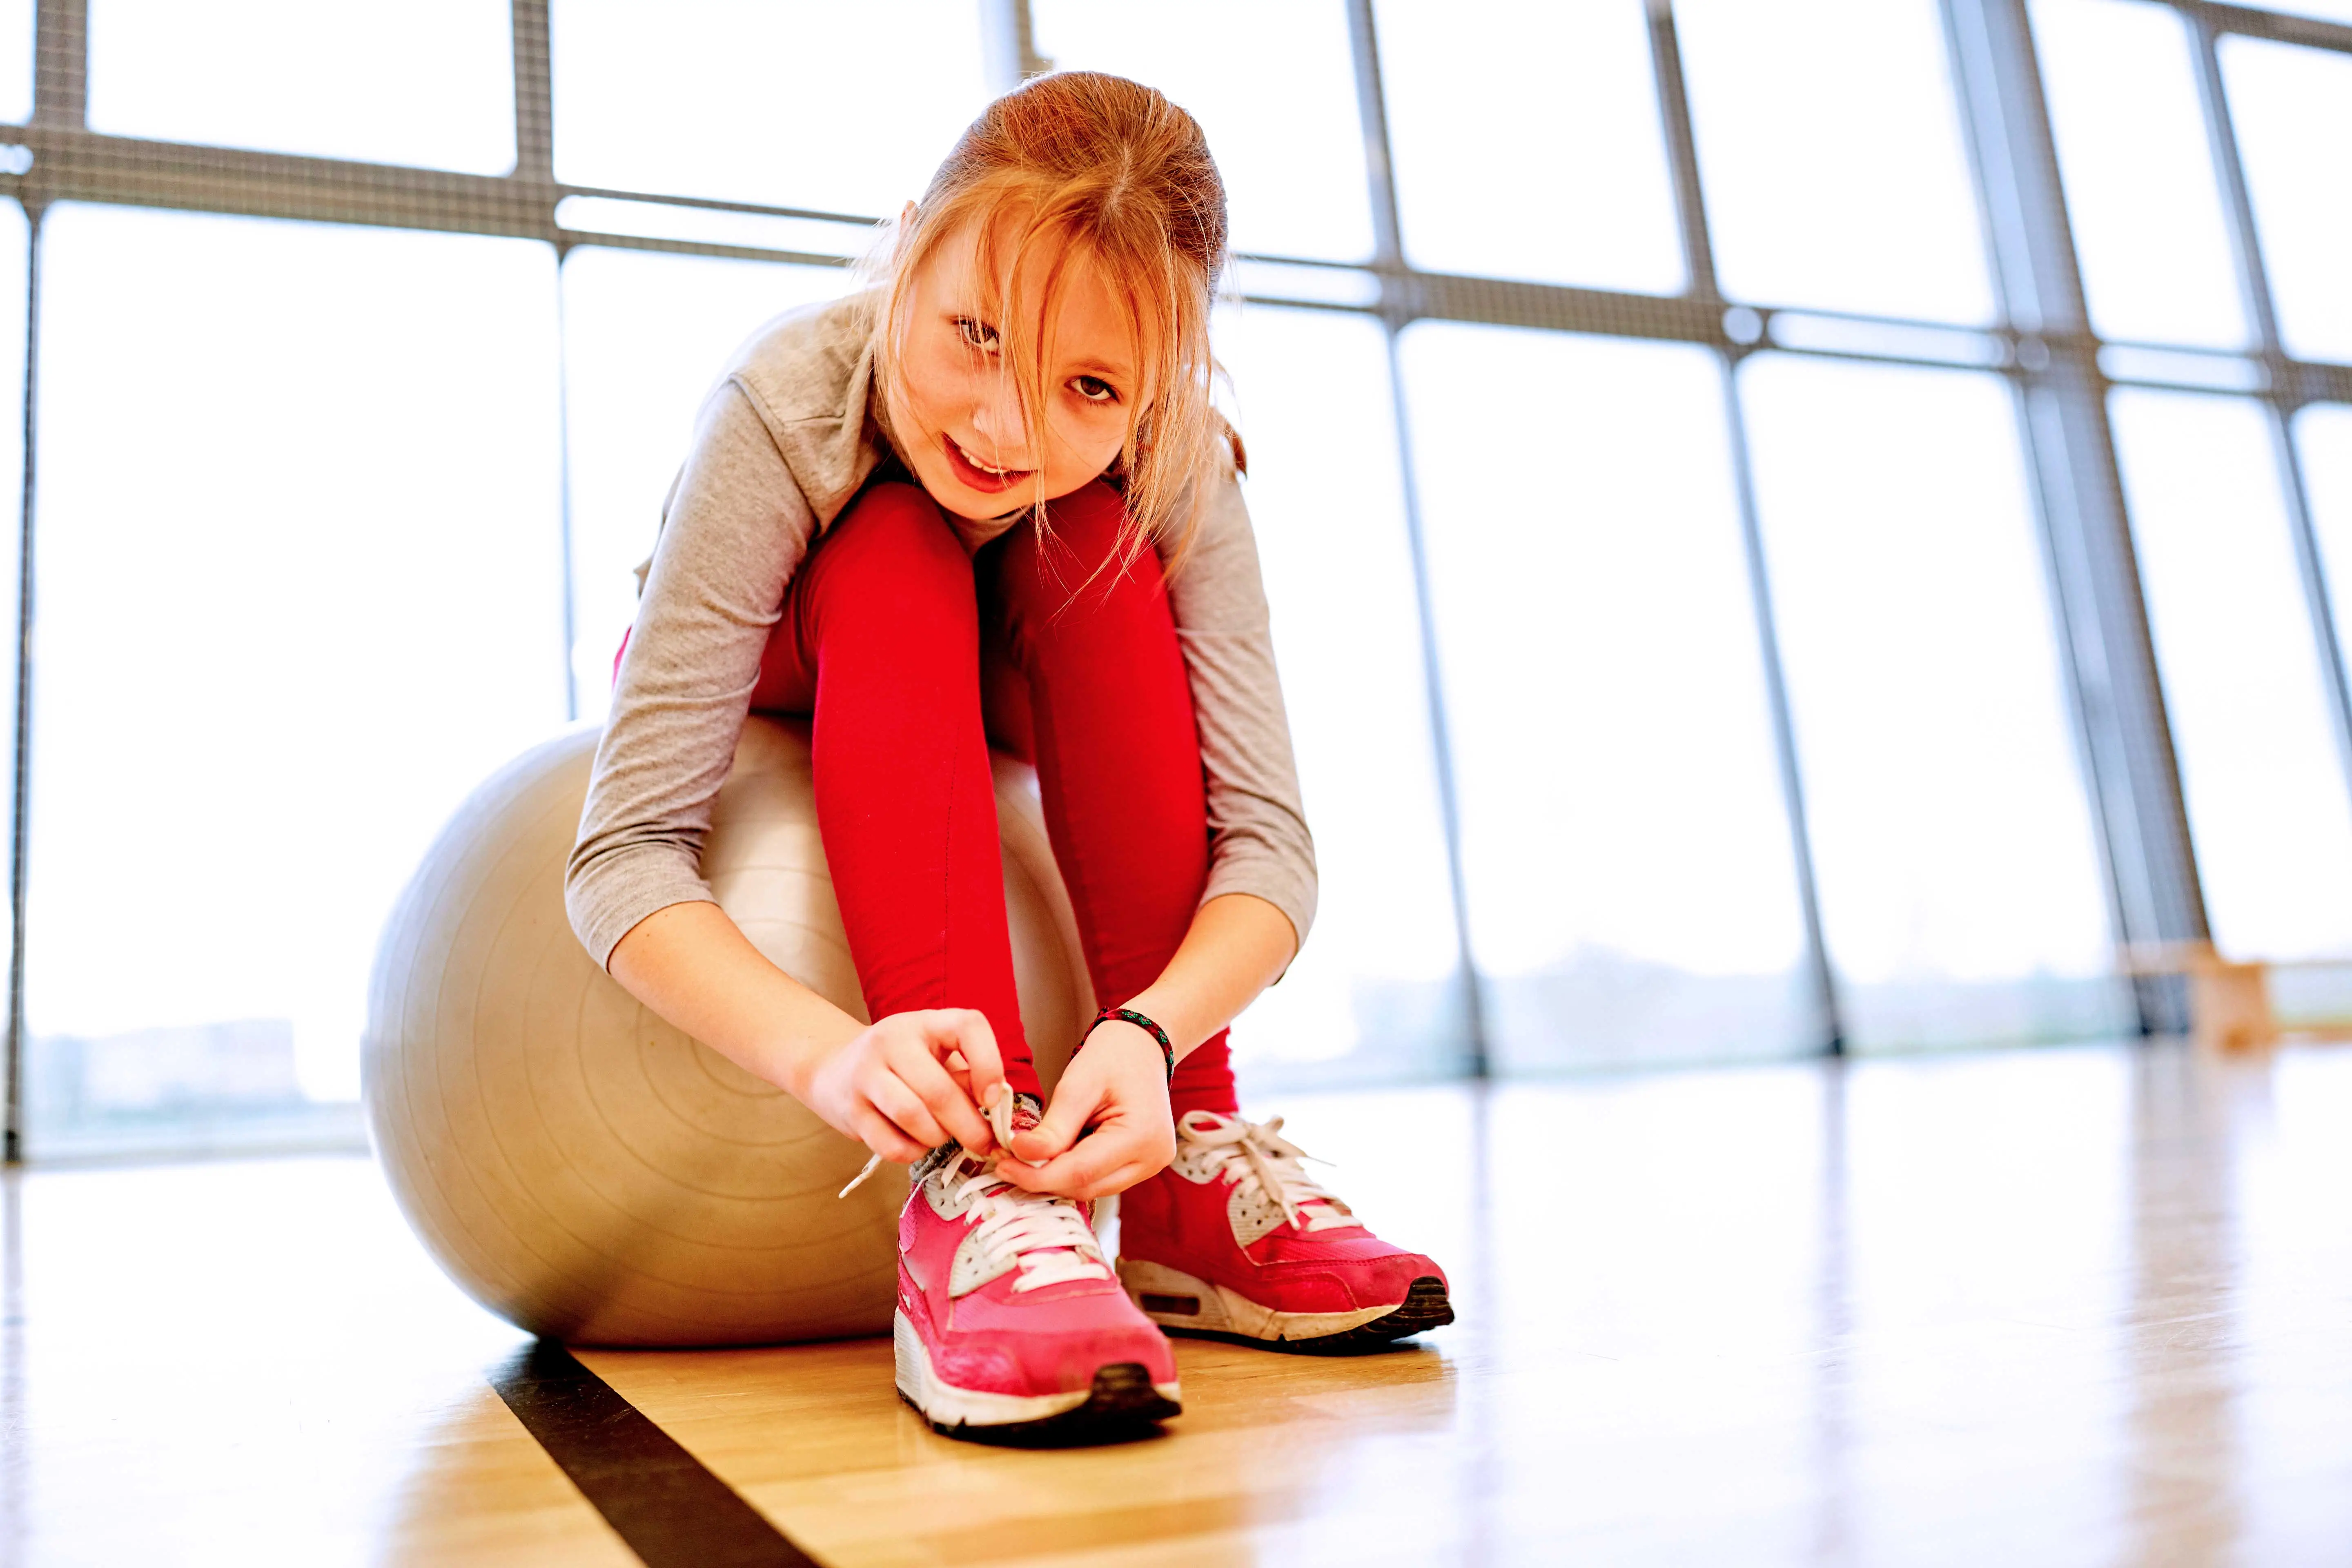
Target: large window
[
  {"x": 1630, "y": 888},
  {"x": 1567, "y": 89},
  {"x": 1376, "y": 992},
  {"x": 1279, "y": 111},
  {"x": 1684, "y": 435},
  {"x": 2140, "y": 190},
  {"x": 2293, "y": 109},
  {"x": 298, "y": 592},
  {"x": 1806, "y": 208},
  {"x": 16, "y": 60},
  {"x": 646, "y": 338},
  {"x": 1960, "y": 877},
  {"x": 2250, "y": 704},
  {"x": 336, "y": 81},
  {"x": 749, "y": 100}
]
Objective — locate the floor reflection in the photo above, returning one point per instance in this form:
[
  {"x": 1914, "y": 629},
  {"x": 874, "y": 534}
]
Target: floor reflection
[
  {"x": 15, "y": 1455},
  {"x": 2054, "y": 1307},
  {"x": 2181, "y": 1332},
  {"x": 1832, "y": 1435}
]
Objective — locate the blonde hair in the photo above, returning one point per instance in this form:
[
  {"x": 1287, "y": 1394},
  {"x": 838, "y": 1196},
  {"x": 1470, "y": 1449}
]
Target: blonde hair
[{"x": 1080, "y": 167}]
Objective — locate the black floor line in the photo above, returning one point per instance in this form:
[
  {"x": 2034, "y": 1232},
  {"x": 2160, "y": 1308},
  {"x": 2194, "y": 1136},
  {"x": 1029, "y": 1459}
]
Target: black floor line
[{"x": 671, "y": 1510}]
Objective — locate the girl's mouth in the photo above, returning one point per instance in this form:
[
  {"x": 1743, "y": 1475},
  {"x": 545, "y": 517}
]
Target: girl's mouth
[{"x": 979, "y": 476}]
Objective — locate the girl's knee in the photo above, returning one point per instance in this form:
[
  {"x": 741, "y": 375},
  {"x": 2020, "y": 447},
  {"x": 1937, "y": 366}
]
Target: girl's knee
[
  {"x": 890, "y": 579},
  {"x": 895, "y": 519},
  {"x": 1086, "y": 536},
  {"x": 895, "y": 534},
  {"x": 1090, "y": 523}
]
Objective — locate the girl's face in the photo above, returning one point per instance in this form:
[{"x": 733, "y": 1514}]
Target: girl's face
[{"x": 955, "y": 412}]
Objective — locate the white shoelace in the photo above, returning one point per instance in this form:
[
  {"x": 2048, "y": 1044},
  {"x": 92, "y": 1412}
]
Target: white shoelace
[
  {"x": 999, "y": 1112},
  {"x": 1048, "y": 1237},
  {"x": 1255, "y": 1155}
]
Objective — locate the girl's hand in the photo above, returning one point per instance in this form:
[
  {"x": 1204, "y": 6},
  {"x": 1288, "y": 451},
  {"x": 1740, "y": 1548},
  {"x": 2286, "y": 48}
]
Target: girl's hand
[
  {"x": 1118, "y": 1085},
  {"x": 911, "y": 1082}
]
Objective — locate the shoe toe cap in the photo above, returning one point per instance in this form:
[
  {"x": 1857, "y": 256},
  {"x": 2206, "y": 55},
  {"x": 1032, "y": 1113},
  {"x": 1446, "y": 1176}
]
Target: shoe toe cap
[
  {"x": 1366, "y": 1278},
  {"x": 1058, "y": 1347}
]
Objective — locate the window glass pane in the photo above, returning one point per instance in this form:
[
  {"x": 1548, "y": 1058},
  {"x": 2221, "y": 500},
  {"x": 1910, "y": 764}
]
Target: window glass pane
[
  {"x": 2293, "y": 110},
  {"x": 1960, "y": 882},
  {"x": 2323, "y": 437},
  {"x": 1527, "y": 143},
  {"x": 299, "y": 592},
  {"x": 646, "y": 336},
  {"x": 1375, "y": 992},
  {"x": 1830, "y": 142},
  {"x": 2140, "y": 189},
  {"x": 13, "y": 260},
  {"x": 1273, "y": 86},
  {"x": 1630, "y": 885},
  {"x": 764, "y": 100},
  {"x": 427, "y": 82},
  {"x": 2268, "y": 808},
  {"x": 16, "y": 60}
]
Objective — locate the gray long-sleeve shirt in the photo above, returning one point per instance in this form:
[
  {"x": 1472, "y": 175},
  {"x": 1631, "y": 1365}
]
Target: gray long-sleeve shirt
[{"x": 782, "y": 446}]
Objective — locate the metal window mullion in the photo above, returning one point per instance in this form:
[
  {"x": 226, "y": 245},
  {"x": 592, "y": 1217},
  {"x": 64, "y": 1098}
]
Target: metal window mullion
[
  {"x": 1698, "y": 245},
  {"x": 20, "y": 794},
  {"x": 1008, "y": 44},
  {"x": 1398, "y": 310},
  {"x": 535, "y": 110},
  {"x": 61, "y": 63},
  {"x": 2099, "y": 606},
  {"x": 2283, "y": 394},
  {"x": 534, "y": 92},
  {"x": 2002, "y": 208},
  {"x": 60, "y": 99},
  {"x": 1681, "y": 151},
  {"x": 1829, "y": 1007},
  {"x": 2285, "y": 27}
]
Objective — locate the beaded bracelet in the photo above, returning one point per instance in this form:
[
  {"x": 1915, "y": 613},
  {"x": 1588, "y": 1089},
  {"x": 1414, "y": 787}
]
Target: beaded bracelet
[{"x": 1129, "y": 1015}]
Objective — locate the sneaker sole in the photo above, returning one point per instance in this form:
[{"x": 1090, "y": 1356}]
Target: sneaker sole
[
  {"x": 1182, "y": 1304},
  {"x": 1122, "y": 1400}
]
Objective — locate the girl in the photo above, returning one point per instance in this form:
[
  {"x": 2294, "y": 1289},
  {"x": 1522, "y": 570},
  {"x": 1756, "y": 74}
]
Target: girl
[{"x": 988, "y": 496}]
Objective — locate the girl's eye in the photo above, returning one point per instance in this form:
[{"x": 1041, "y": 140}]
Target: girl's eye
[
  {"x": 976, "y": 334},
  {"x": 1093, "y": 389}
]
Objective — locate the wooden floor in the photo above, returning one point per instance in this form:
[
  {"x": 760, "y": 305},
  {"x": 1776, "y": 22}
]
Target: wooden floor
[{"x": 2061, "y": 1307}]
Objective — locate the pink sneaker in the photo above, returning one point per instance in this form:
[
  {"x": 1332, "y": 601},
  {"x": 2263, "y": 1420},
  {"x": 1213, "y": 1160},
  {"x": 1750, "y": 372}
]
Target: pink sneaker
[
  {"x": 1234, "y": 1241},
  {"x": 1011, "y": 1325}
]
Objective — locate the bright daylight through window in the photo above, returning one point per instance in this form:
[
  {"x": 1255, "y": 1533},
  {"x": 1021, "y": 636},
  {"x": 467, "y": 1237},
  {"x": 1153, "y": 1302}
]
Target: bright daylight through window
[{"x": 1742, "y": 589}]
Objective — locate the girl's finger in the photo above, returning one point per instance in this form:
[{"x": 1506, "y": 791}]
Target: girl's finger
[
  {"x": 966, "y": 1032},
  {"x": 1064, "y": 1120},
  {"x": 873, "y": 1130},
  {"x": 894, "y": 1099},
  {"x": 950, "y": 1106},
  {"x": 1094, "y": 1160}
]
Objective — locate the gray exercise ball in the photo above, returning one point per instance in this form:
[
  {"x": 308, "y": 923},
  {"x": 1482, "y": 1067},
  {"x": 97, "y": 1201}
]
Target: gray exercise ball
[{"x": 588, "y": 1172}]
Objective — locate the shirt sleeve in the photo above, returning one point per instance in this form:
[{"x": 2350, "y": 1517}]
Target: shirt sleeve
[
  {"x": 736, "y": 529},
  {"x": 1258, "y": 840}
]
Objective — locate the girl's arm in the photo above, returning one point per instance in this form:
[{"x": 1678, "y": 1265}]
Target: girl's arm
[
  {"x": 736, "y": 529},
  {"x": 893, "y": 1085},
  {"x": 1260, "y": 897},
  {"x": 1236, "y": 946}
]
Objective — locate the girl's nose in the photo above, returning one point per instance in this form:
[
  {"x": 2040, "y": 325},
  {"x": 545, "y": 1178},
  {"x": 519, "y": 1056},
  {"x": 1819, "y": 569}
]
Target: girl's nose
[{"x": 997, "y": 420}]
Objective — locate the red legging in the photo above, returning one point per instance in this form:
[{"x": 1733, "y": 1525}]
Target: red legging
[{"x": 890, "y": 634}]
